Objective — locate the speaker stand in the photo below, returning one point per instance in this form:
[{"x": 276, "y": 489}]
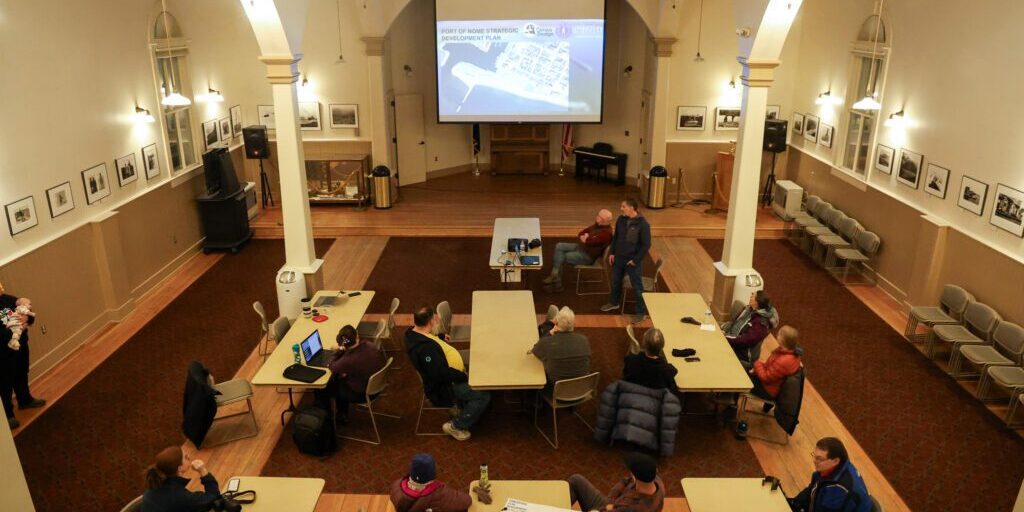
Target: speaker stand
[
  {"x": 267, "y": 194},
  {"x": 769, "y": 185}
]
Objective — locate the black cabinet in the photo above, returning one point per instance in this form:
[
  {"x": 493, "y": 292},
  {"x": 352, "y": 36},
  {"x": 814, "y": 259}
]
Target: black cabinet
[{"x": 225, "y": 222}]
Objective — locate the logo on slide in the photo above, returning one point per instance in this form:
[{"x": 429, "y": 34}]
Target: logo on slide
[
  {"x": 530, "y": 29},
  {"x": 563, "y": 31}
]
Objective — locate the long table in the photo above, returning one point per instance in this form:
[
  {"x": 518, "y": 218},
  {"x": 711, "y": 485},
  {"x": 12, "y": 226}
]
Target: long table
[
  {"x": 553, "y": 493},
  {"x": 504, "y": 328},
  {"x": 277, "y": 494},
  {"x": 347, "y": 312},
  {"x": 718, "y": 368},
  {"x": 505, "y": 228},
  {"x": 732, "y": 494}
]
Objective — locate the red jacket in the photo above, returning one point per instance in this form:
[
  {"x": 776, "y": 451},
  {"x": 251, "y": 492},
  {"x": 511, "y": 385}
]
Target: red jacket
[
  {"x": 600, "y": 237},
  {"x": 436, "y": 496},
  {"x": 780, "y": 364}
]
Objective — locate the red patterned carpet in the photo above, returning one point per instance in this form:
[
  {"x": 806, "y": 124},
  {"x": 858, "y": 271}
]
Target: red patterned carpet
[
  {"x": 88, "y": 451},
  {"x": 506, "y": 440},
  {"x": 939, "y": 447}
]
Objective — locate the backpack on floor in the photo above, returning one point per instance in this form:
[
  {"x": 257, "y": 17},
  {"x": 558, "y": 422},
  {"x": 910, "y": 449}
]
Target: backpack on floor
[{"x": 313, "y": 431}]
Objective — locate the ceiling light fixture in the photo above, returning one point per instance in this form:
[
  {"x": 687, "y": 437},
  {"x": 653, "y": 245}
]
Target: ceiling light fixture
[{"x": 700, "y": 29}]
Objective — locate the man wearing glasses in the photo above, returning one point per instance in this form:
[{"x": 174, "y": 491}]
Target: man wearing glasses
[{"x": 836, "y": 486}]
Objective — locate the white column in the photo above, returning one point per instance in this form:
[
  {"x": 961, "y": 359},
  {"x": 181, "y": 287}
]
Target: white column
[
  {"x": 660, "y": 101},
  {"x": 298, "y": 228},
  {"x": 746, "y": 177},
  {"x": 378, "y": 114}
]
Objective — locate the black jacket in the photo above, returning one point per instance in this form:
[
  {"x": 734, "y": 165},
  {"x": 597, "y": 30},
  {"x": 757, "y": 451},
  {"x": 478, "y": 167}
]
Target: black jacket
[
  {"x": 8, "y": 302},
  {"x": 430, "y": 362},
  {"x": 200, "y": 405},
  {"x": 172, "y": 496},
  {"x": 652, "y": 373},
  {"x": 632, "y": 239}
]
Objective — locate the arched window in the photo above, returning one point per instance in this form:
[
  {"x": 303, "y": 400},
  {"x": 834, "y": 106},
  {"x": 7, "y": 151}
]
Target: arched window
[
  {"x": 869, "y": 58},
  {"x": 170, "y": 62}
]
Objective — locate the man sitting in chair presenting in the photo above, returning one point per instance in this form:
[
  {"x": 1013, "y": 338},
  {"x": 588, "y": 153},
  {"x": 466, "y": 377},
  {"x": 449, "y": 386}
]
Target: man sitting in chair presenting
[{"x": 593, "y": 240}]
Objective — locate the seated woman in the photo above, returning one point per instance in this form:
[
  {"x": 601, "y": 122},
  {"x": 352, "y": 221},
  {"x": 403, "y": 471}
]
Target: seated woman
[
  {"x": 352, "y": 367},
  {"x": 751, "y": 326},
  {"x": 783, "y": 362},
  {"x": 650, "y": 368},
  {"x": 166, "y": 482}
]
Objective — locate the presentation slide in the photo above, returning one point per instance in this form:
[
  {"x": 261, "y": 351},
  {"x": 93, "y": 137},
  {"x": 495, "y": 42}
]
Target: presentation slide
[{"x": 541, "y": 70}]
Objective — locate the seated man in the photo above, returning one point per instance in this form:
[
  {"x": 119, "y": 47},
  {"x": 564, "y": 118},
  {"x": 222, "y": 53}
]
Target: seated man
[
  {"x": 565, "y": 354},
  {"x": 784, "y": 361},
  {"x": 593, "y": 240},
  {"x": 836, "y": 486},
  {"x": 420, "y": 490},
  {"x": 641, "y": 491},
  {"x": 352, "y": 367},
  {"x": 444, "y": 372},
  {"x": 751, "y": 326},
  {"x": 650, "y": 368}
]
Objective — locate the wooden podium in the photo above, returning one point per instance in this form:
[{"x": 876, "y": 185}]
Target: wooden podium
[
  {"x": 723, "y": 183},
  {"x": 519, "y": 148}
]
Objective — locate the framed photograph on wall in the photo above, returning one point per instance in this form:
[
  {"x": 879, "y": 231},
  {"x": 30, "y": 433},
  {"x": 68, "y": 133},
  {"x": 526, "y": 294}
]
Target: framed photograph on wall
[
  {"x": 96, "y": 184},
  {"x": 224, "y": 129},
  {"x": 825, "y": 138},
  {"x": 344, "y": 116},
  {"x": 727, "y": 119},
  {"x": 21, "y": 215},
  {"x": 60, "y": 199},
  {"x": 798, "y": 123},
  {"x": 265, "y": 115},
  {"x": 691, "y": 118},
  {"x": 127, "y": 169},
  {"x": 1008, "y": 209},
  {"x": 236, "y": 120},
  {"x": 773, "y": 112},
  {"x": 909, "y": 170},
  {"x": 811, "y": 128},
  {"x": 972, "y": 195},
  {"x": 883, "y": 158},
  {"x": 210, "y": 135},
  {"x": 309, "y": 116},
  {"x": 936, "y": 180},
  {"x": 150, "y": 162}
]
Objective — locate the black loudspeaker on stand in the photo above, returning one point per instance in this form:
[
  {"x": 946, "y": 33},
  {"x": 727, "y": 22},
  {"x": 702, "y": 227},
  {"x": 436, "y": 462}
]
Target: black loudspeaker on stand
[
  {"x": 257, "y": 148},
  {"x": 775, "y": 143}
]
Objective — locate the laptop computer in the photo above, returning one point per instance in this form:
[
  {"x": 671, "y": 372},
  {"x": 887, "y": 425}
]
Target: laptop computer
[{"x": 313, "y": 351}]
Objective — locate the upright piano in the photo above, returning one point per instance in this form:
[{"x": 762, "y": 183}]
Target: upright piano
[{"x": 588, "y": 158}]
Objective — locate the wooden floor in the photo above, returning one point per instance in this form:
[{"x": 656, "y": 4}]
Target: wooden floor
[{"x": 348, "y": 264}]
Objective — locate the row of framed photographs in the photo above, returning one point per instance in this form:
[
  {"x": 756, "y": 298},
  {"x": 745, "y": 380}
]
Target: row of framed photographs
[
  {"x": 1008, "y": 207},
  {"x": 342, "y": 116},
  {"x": 691, "y": 118},
  {"x": 216, "y": 131},
  {"x": 21, "y": 214},
  {"x": 813, "y": 130}
]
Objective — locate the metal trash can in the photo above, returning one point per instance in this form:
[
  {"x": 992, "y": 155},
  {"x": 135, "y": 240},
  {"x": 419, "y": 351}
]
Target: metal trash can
[
  {"x": 381, "y": 187},
  {"x": 658, "y": 175}
]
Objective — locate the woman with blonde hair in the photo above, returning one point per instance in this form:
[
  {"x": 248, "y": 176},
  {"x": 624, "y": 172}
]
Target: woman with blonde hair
[{"x": 166, "y": 484}]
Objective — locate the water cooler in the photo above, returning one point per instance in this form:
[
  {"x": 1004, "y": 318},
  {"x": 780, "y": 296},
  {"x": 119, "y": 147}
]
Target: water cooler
[{"x": 291, "y": 289}]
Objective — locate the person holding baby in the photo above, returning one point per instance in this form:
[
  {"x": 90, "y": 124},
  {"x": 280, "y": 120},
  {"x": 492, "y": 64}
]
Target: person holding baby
[{"x": 15, "y": 317}]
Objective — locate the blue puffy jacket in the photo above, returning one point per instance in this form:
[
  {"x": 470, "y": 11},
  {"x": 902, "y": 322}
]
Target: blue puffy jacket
[
  {"x": 640, "y": 415},
  {"x": 842, "y": 491}
]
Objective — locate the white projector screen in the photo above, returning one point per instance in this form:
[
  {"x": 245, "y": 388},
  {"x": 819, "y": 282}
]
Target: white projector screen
[{"x": 525, "y": 61}]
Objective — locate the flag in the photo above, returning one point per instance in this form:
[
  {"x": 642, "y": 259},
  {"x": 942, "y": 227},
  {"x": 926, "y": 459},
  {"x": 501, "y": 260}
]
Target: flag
[
  {"x": 567, "y": 142},
  {"x": 476, "y": 139}
]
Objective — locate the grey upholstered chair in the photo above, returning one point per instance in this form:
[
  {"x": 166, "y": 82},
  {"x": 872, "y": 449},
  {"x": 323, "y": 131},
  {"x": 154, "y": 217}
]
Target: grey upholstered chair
[
  {"x": 134, "y": 506},
  {"x": 650, "y": 284},
  {"x": 598, "y": 266},
  {"x": 264, "y": 344},
  {"x": 830, "y": 226},
  {"x": 425, "y": 407},
  {"x": 866, "y": 246},
  {"x": 952, "y": 304},
  {"x": 826, "y": 246},
  {"x": 230, "y": 392},
  {"x": 567, "y": 393},
  {"x": 1008, "y": 378},
  {"x": 634, "y": 345},
  {"x": 810, "y": 203},
  {"x": 979, "y": 323},
  {"x": 1007, "y": 349},
  {"x": 372, "y": 330},
  {"x": 793, "y": 384},
  {"x": 375, "y": 388},
  {"x": 456, "y": 333}
]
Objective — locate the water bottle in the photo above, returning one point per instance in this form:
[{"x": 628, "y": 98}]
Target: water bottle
[
  {"x": 707, "y": 316},
  {"x": 741, "y": 430},
  {"x": 485, "y": 482},
  {"x": 295, "y": 352}
]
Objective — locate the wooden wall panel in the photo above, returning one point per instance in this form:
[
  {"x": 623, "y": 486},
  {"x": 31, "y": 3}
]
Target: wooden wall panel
[{"x": 697, "y": 160}]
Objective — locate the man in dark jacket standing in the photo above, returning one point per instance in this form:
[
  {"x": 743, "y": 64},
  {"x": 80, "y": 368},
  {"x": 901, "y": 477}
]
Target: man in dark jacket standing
[
  {"x": 14, "y": 363},
  {"x": 836, "y": 486},
  {"x": 630, "y": 243},
  {"x": 421, "y": 491},
  {"x": 445, "y": 374}
]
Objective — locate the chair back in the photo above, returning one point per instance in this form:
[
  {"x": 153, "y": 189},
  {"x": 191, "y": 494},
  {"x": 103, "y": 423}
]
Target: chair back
[
  {"x": 790, "y": 401},
  {"x": 382, "y": 327},
  {"x": 634, "y": 345},
  {"x": 279, "y": 329},
  {"x": 1008, "y": 339},
  {"x": 848, "y": 228},
  {"x": 981, "y": 320},
  {"x": 834, "y": 218},
  {"x": 811, "y": 203},
  {"x": 868, "y": 243},
  {"x": 258, "y": 307},
  {"x": 823, "y": 207},
  {"x": 954, "y": 301},
  {"x": 135, "y": 505},
  {"x": 379, "y": 381},
  {"x": 391, "y": 316},
  {"x": 657, "y": 270},
  {"x": 825, "y": 212},
  {"x": 576, "y": 390},
  {"x": 444, "y": 313}
]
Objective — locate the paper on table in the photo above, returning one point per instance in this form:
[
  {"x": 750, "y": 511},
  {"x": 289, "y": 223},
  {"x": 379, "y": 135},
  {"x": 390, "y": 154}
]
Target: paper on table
[
  {"x": 707, "y": 327},
  {"x": 514, "y": 505}
]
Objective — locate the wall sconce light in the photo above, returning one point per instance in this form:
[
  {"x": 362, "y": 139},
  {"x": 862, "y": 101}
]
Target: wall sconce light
[
  {"x": 305, "y": 91},
  {"x": 732, "y": 83},
  {"x": 213, "y": 96},
  {"x": 826, "y": 98},
  {"x": 408, "y": 70},
  {"x": 896, "y": 120},
  {"x": 143, "y": 116},
  {"x": 628, "y": 72}
]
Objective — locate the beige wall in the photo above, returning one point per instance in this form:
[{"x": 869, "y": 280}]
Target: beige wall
[{"x": 14, "y": 494}]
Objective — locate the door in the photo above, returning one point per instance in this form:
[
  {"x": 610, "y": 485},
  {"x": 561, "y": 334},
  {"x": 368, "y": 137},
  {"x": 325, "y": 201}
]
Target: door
[
  {"x": 646, "y": 123},
  {"x": 409, "y": 135}
]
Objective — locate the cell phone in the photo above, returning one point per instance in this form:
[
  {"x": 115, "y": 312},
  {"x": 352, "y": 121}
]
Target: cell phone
[
  {"x": 692, "y": 359},
  {"x": 355, "y": 294},
  {"x": 233, "y": 485}
]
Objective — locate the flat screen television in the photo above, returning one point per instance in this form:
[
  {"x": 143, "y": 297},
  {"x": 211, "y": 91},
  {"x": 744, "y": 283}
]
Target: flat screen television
[{"x": 221, "y": 180}]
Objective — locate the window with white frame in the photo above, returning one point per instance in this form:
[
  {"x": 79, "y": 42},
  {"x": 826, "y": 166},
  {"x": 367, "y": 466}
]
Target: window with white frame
[
  {"x": 867, "y": 76},
  {"x": 170, "y": 59}
]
